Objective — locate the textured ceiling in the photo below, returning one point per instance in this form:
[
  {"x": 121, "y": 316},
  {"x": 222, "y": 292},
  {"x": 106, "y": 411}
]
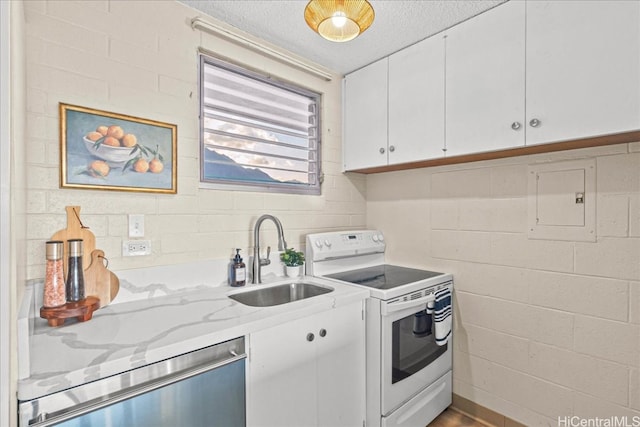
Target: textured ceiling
[{"x": 397, "y": 24}]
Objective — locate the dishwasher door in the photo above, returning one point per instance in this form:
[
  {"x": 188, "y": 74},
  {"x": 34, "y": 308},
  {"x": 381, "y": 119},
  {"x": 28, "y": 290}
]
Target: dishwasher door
[{"x": 202, "y": 388}]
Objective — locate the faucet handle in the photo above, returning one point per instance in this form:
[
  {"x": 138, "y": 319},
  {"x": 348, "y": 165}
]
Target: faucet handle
[{"x": 266, "y": 261}]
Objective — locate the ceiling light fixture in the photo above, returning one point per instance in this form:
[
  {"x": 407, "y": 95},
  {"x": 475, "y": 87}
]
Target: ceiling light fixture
[{"x": 339, "y": 20}]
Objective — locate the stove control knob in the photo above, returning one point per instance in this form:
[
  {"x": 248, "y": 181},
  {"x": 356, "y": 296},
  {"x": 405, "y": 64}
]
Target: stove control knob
[
  {"x": 318, "y": 244},
  {"x": 327, "y": 243},
  {"x": 381, "y": 238},
  {"x": 375, "y": 238}
]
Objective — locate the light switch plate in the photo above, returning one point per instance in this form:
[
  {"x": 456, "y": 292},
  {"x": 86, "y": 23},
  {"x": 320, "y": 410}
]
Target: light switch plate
[{"x": 136, "y": 225}]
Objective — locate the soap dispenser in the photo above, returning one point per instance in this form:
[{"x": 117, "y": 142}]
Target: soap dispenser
[{"x": 237, "y": 271}]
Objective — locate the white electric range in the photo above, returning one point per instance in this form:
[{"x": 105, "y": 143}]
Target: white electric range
[{"x": 408, "y": 326}]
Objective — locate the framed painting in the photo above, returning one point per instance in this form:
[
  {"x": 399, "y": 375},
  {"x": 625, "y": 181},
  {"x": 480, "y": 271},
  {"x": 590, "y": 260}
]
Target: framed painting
[{"x": 100, "y": 150}]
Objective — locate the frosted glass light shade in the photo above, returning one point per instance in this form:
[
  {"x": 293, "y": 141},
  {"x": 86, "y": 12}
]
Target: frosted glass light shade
[{"x": 339, "y": 20}]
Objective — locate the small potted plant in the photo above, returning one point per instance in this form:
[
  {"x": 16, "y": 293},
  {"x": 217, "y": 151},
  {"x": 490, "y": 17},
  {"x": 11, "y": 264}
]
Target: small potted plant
[{"x": 293, "y": 262}]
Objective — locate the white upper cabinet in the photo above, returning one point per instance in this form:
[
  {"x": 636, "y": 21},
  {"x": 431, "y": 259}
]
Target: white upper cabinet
[
  {"x": 394, "y": 108},
  {"x": 416, "y": 102},
  {"x": 365, "y": 117},
  {"x": 485, "y": 78},
  {"x": 583, "y": 69},
  {"x": 523, "y": 73}
]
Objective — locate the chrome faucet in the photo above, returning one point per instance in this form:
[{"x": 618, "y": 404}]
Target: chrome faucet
[{"x": 257, "y": 261}]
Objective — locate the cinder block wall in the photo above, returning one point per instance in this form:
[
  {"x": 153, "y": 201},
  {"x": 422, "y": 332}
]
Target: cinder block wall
[
  {"x": 543, "y": 328},
  {"x": 140, "y": 58}
]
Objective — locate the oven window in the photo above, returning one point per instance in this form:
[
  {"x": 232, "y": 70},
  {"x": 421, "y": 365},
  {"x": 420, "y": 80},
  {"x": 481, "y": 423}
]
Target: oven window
[{"x": 414, "y": 345}]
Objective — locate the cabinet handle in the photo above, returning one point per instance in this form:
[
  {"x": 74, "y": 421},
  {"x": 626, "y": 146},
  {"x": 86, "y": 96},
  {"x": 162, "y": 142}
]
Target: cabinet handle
[
  {"x": 392, "y": 148},
  {"x": 310, "y": 337},
  {"x": 534, "y": 123},
  {"x": 381, "y": 150},
  {"x": 516, "y": 125},
  {"x": 323, "y": 332}
]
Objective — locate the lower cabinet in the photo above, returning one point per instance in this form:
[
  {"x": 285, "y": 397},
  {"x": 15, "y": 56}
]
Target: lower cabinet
[{"x": 309, "y": 372}]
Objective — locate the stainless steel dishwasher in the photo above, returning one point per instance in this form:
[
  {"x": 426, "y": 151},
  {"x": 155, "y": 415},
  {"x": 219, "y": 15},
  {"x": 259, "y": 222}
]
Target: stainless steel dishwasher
[{"x": 203, "y": 388}]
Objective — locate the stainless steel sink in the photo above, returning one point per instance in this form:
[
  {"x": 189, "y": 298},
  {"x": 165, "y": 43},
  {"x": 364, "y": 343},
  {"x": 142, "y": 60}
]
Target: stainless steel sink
[{"x": 280, "y": 294}]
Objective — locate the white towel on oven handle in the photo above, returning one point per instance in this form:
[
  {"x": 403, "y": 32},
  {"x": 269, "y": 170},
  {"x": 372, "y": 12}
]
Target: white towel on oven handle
[{"x": 442, "y": 316}]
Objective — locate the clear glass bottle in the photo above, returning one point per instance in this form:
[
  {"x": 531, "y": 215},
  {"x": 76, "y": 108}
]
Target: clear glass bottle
[
  {"x": 75, "y": 275},
  {"x": 54, "y": 286}
]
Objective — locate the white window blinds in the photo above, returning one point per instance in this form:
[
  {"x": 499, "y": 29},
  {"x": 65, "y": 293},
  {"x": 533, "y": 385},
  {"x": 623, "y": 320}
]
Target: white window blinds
[{"x": 256, "y": 131}]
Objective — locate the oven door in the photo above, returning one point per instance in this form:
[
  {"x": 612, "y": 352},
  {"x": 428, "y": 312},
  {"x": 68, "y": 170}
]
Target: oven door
[{"x": 411, "y": 359}]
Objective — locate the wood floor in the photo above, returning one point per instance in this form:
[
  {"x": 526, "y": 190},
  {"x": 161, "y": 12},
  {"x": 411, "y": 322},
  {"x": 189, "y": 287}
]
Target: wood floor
[{"x": 451, "y": 418}]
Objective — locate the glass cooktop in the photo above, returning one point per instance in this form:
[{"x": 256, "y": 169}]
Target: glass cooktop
[{"x": 384, "y": 276}]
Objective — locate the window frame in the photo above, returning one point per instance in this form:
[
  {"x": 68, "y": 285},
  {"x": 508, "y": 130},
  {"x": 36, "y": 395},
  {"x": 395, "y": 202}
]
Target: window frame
[{"x": 238, "y": 185}]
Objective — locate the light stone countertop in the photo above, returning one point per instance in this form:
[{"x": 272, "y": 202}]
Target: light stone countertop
[{"x": 128, "y": 335}]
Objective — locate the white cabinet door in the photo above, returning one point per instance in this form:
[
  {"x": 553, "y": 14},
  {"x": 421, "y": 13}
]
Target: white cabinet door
[
  {"x": 295, "y": 382},
  {"x": 583, "y": 68},
  {"x": 365, "y": 117},
  {"x": 281, "y": 390},
  {"x": 485, "y": 72},
  {"x": 341, "y": 373},
  {"x": 416, "y": 102}
]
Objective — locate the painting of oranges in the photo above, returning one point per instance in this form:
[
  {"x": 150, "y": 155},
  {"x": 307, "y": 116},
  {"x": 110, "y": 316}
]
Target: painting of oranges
[
  {"x": 116, "y": 152},
  {"x": 113, "y": 145}
]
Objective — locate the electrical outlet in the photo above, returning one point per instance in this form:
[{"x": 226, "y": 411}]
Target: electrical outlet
[
  {"x": 136, "y": 247},
  {"x": 136, "y": 225}
]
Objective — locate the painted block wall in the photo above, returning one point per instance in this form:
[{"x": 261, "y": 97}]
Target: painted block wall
[
  {"x": 543, "y": 328},
  {"x": 140, "y": 58}
]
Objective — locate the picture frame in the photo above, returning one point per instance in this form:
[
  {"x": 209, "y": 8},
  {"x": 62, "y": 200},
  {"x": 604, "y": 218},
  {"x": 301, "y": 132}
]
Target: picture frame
[{"x": 101, "y": 150}]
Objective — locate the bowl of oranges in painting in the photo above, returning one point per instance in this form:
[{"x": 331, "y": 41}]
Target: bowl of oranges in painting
[{"x": 111, "y": 143}]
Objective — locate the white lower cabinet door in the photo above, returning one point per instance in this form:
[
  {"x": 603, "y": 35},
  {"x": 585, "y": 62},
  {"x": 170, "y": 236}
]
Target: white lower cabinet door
[
  {"x": 309, "y": 372},
  {"x": 341, "y": 368},
  {"x": 281, "y": 389}
]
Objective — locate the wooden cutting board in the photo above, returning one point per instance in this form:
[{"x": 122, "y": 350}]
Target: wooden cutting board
[
  {"x": 76, "y": 230},
  {"x": 99, "y": 281}
]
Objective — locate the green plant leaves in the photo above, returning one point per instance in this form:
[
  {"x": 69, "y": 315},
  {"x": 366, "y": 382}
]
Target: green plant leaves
[{"x": 292, "y": 258}]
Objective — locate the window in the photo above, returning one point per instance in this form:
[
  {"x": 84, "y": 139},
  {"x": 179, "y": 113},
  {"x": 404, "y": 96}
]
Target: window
[{"x": 257, "y": 133}]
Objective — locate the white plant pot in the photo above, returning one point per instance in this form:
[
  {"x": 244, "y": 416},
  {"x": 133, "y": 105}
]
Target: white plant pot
[{"x": 293, "y": 271}]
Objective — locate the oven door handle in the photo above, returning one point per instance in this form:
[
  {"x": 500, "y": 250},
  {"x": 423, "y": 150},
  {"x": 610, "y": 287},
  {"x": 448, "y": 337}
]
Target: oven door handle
[{"x": 394, "y": 307}]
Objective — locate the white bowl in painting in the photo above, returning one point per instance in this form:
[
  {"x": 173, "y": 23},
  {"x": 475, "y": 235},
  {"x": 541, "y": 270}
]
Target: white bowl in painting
[{"x": 109, "y": 153}]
